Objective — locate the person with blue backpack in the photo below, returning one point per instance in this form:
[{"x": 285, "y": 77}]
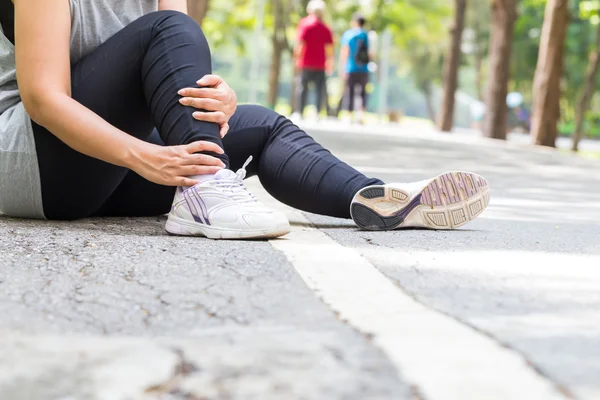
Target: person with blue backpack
[{"x": 355, "y": 56}]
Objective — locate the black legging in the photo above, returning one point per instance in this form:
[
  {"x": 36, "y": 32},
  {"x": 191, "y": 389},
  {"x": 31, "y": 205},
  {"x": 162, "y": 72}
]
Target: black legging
[
  {"x": 357, "y": 80},
  {"x": 132, "y": 81}
]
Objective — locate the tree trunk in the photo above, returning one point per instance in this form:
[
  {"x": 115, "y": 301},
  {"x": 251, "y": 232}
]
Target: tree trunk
[
  {"x": 479, "y": 56},
  {"x": 504, "y": 15},
  {"x": 451, "y": 65},
  {"x": 293, "y": 98},
  {"x": 548, "y": 73},
  {"x": 427, "y": 92},
  {"x": 479, "y": 74},
  {"x": 198, "y": 9},
  {"x": 275, "y": 73},
  {"x": 589, "y": 87},
  {"x": 279, "y": 45}
]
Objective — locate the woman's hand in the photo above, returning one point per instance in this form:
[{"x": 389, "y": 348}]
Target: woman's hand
[
  {"x": 216, "y": 98},
  {"x": 173, "y": 165}
]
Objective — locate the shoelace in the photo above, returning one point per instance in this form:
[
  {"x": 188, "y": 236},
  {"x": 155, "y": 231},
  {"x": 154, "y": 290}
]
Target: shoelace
[{"x": 235, "y": 187}]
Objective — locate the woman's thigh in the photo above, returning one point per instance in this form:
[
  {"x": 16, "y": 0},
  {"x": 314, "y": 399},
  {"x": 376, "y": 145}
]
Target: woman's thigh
[
  {"x": 137, "y": 197},
  {"x": 109, "y": 82}
]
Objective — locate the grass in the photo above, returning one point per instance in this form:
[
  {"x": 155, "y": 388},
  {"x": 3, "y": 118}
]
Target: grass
[{"x": 591, "y": 155}]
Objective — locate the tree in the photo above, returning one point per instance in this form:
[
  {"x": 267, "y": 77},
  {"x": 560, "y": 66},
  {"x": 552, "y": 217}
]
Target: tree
[
  {"x": 417, "y": 49},
  {"x": 298, "y": 12},
  {"x": 504, "y": 14},
  {"x": 198, "y": 9},
  {"x": 586, "y": 93},
  {"x": 451, "y": 65},
  {"x": 427, "y": 62},
  {"x": 478, "y": 17},
  {"x": 279, "y": 44},
  {"x": 589, "y": 11},
  {"x": 546, "y": 83}
]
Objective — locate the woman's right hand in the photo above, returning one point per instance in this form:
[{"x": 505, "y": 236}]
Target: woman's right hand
[{"x": 173, "y": 165}]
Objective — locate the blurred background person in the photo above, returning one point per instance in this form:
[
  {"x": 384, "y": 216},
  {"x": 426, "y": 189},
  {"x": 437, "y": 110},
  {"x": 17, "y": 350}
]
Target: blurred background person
[
  {"x": 314, "y": 57},
  {"x": 355, "y": 56}
]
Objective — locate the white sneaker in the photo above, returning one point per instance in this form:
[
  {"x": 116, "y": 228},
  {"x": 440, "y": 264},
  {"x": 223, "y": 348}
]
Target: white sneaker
[
  {"x": 445, "y": 202},
  {"x": 223, "y": 208}
]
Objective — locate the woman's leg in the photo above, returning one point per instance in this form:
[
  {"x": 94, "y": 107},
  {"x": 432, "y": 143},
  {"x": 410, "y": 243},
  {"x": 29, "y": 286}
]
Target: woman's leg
[
  {"x": 292, "y": 167},
  {"x": 350, "y": 92},
  {"x": 137, "y": 197},
  {"x": 303, "y": 90},
  {"x": 132, "y": 82},
  {"x": 363, "y": 82},
  {"x": 299, "y": 172},
  {"x": 319, "y": 89}
]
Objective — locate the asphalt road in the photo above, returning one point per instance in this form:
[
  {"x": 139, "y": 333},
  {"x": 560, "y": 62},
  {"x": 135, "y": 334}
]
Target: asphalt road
[{"x": 116, "y": 309}]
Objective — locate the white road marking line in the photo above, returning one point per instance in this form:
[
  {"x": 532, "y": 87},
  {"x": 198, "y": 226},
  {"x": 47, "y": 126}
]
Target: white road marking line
[{"x": 445, "y": 359}]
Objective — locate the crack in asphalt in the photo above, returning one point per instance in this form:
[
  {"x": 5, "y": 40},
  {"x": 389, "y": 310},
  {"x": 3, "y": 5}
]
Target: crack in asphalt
[
  {"x": 130, "y": 277},
  {"x": 211, "y": 313},
  {"x": 226, "y": 265},
  {"x": 215, "y": 314},
  {"x": 172, "y": 386}
]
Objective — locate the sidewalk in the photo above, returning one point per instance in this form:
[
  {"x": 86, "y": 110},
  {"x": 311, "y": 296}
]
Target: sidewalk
[{"x": 419, "y": 129}]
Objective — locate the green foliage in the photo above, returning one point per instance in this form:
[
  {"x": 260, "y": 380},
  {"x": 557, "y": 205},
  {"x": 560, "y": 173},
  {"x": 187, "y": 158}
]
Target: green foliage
[
  {"x": 420, "y": 30},
  {"x": 589, "y": 9},
  {"x": 591, "y": 126},
  {"x": 579, "y": 41},
  {"x": 526, "y": 42},
  {"x": 229, "y": 23},
  {"x": 421, "y": 21}
]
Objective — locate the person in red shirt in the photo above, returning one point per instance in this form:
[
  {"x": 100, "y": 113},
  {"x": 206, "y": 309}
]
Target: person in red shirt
[{"x": 314, "y": 56}]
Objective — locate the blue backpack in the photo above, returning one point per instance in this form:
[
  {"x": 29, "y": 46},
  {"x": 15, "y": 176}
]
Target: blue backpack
[{"x": 362, "y": 57}]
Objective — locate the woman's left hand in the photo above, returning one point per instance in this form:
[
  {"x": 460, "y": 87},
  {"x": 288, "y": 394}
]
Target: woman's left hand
[{"x": 217, "y": 100}]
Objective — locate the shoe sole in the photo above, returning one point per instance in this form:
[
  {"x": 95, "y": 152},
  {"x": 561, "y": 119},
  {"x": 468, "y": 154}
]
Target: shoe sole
[
  {"x": 448, "y": 201},
  {"x": 181, "y": 227}
]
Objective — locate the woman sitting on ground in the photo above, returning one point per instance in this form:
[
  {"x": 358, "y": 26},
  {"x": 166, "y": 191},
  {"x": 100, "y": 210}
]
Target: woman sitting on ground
[{"x": 117, "y": 113}]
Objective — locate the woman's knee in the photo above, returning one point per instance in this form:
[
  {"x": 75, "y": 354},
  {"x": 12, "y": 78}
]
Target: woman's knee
[
  {"x": 257, "y": 110},
  {"x": 174, "y": 22},
  {"x": 256, "y": 115}
]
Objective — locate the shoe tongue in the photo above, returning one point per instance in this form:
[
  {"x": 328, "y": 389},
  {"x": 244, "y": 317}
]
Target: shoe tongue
[{"x": 224, "y": 174}]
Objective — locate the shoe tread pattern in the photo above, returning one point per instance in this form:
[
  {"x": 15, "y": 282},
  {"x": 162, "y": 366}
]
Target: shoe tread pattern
[
  {"x": 373, "y": 193},
  {"x": 368, "y": 219},
  {"x": 454, "y": 199}
]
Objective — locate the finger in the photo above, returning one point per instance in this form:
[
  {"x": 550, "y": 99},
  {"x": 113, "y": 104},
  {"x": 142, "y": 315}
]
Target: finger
[
  {"x": 199, "y": 146},
  {"x": 192, "y": 170},
  {"x": 203, "y": 93},
  {"x": 184, "y": 181},
  {"x": 210, "y": 80},
  {"x": 203, "y": 159},
  {"x": 216, "y": 116},
  {"x": 224, "y": 130},
  {"x": 202, "y": 104}
]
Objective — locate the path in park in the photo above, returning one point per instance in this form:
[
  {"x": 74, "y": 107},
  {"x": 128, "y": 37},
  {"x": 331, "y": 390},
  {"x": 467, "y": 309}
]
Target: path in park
[{"x": 506, "y": 308}]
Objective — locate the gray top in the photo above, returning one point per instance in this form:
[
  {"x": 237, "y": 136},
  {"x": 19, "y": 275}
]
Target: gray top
[{"x": 92, "y": 23}]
